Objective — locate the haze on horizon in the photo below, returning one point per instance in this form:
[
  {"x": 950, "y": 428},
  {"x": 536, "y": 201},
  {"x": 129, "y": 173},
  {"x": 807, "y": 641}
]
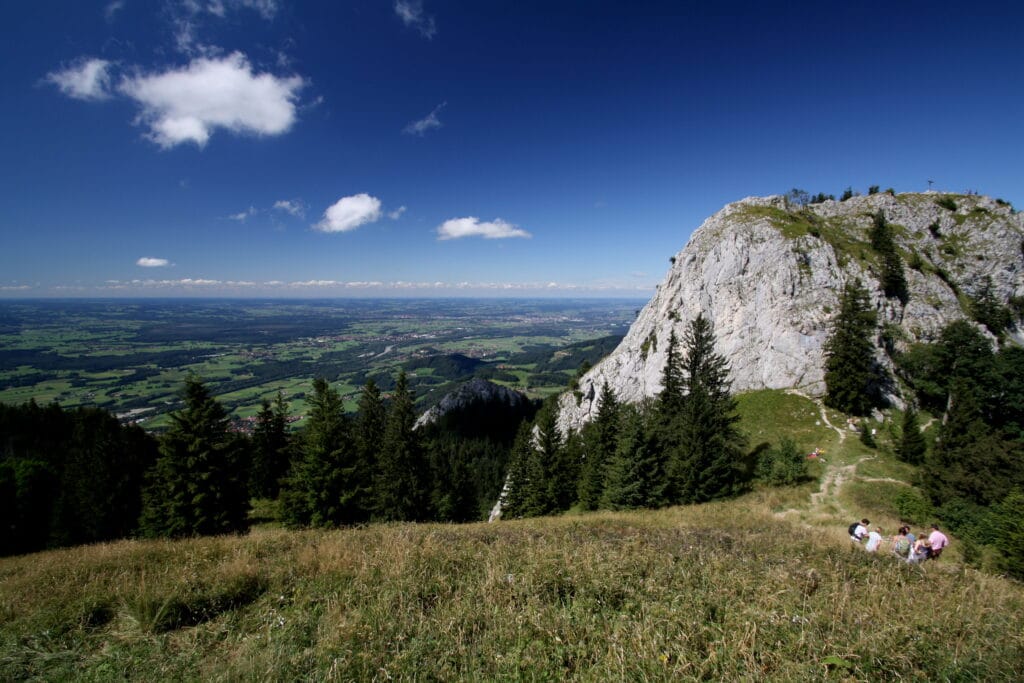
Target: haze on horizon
[{"x": 264, "y": 148}]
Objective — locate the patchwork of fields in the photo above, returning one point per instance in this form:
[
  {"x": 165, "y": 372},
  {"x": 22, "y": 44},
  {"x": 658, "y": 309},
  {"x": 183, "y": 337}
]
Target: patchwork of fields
[{"x": 132, "y": 356}]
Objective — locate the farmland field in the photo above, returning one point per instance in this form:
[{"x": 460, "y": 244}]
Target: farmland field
[{"x": 131, "y": 356}]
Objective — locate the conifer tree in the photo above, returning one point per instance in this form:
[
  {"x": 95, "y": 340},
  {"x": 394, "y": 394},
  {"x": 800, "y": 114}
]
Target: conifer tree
[
  {"x": 320, "y": 490},
  {"x": 635, "y": 473},
  {"x": 546, "y": 475},
  {"x": 369, "y": 436},
  {"x": 851, "y": 378},
  {"x": 988, "y": 310},
  {"x": 517, "y": 483},
  {"x": 912, "y": 446},
  {"x": 270, "y": 449},
  {"x": 561, "y": 464},
  {"x": 894, "y": 282},
  {"x": 401, "y": 484},
  {"x": 668, "y": 410},
  {"x": 670, "y": 399},
  {"x": 601, "y": 440},
  {"x": 198, "y": 485},
  {"x": 706, "y": 465}
]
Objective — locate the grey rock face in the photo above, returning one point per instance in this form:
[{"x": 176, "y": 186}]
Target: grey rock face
[{"x": 768, "y": 275}]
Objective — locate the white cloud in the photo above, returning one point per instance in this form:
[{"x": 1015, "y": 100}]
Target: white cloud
[
  {"x": 14, "y": 288},
  {"x": 242, "y": 215},
  {"x": 265, "y": 8},
  {"x": 428, "y": 122},
  {"x": 150, "y": 262},
  {"x": 112, "y": 8},
  {"x": 348, "y": 213},
  {"x": 397, "y": 213},
  {"x": 189, "y": 16},
  {"x": 188, "y": 104},
  {"x": 86, "y": 79},
  {"x": 412, "y": 15},
  {"x": 456, "y": 228},
  {"x": 292, "y": 206}
]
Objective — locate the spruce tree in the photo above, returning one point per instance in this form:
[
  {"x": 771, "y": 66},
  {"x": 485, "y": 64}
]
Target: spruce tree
[
  {"x": 270, "y": 449},
  {"x": 542, "y": 476},
  {"x": 988, "y": 310},
  {"x": 600, "y": 437},
  {"x": 198, "y": 485},
  {"x": 369, "y": 435},
  {"x": 560, "y": 462},
  {"x": 321, "y": 490},
  {"x": 400, "y": 486},
  {"x": 635, "y": 473},
  {"x": 668, "y": 410},
  {"x": 912, "y": 446},
  {"x": 517, "y": 482},
  {"x": 894, "y": 282},
  {"x": 851, "y": 377},
  {"x": 706, "y": 465}
]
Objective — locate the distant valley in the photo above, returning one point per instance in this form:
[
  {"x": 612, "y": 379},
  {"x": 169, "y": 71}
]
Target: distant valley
[{"x": 132, "y": 356}]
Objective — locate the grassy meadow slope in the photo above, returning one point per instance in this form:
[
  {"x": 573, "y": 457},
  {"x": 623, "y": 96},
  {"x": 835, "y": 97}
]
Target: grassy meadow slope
[{"x": 762, "y": 587}]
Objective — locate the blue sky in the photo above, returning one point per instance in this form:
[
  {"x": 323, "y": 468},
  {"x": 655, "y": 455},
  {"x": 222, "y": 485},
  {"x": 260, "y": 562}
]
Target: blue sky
[{"x": 442, "y": 148}]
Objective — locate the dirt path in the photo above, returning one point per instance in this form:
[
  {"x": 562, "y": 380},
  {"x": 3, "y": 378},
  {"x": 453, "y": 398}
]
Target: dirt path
[{"x": 835, "y": 476}]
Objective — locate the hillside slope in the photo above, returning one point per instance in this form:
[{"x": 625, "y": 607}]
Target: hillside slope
[
  {"x": 717, "y": 592},
  {"x": 768, "y": 274}
]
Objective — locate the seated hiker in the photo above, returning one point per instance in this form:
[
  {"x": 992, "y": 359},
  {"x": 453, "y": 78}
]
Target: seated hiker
[
  {"x": 901, "y": 544},
  {"x": 874, "y": 540},
  {"x": 919, "y": 553},
  {"x": 858, "y": 530}
]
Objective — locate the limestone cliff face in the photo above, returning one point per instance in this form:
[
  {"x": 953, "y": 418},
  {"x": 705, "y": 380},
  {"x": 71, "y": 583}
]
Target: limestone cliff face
[{"x": 768, "y": 275}]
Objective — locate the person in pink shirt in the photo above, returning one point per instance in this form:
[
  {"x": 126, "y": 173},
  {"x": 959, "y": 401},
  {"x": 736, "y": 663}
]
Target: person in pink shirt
[{"x": 938, "y": 541}]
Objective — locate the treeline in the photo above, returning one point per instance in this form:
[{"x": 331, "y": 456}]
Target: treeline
[
  {"x": 684, "y": 446},
  {"x": 72, "y": 477},
  {"x": 804, "y": 198}
]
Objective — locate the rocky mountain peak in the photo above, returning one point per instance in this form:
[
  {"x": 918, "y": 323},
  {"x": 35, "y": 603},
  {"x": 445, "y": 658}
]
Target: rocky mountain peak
[{"x": 768, "y": 272}]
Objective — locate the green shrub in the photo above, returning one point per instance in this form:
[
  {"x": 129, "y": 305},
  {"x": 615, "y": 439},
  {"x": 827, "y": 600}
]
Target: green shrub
[
  {"x": 784, "y": 465},
  {"x": 915, "y": 261},
  {"x": 914, "y": 507},
  {"x": 866, "y": 437},
  {"x": 946, "y": 202}
]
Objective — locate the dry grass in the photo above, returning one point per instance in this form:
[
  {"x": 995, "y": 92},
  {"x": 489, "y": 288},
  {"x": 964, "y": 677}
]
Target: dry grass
[{"x": 724, "y": 591}]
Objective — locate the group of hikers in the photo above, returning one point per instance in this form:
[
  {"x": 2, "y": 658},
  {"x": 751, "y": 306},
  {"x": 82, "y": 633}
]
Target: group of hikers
[{"x": 905, "y": 545}]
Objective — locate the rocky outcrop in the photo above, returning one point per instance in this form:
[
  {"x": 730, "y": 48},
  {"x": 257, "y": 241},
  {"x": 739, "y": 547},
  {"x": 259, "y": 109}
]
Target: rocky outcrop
[
  {"x": 768, "y": 275},
  {"x": 474, "y": 391}
]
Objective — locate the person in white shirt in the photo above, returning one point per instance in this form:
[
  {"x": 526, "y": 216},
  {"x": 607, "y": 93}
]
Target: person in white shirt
[
  {"x": 874, "y": 540},
  {"x": 860, "y": 531}
]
